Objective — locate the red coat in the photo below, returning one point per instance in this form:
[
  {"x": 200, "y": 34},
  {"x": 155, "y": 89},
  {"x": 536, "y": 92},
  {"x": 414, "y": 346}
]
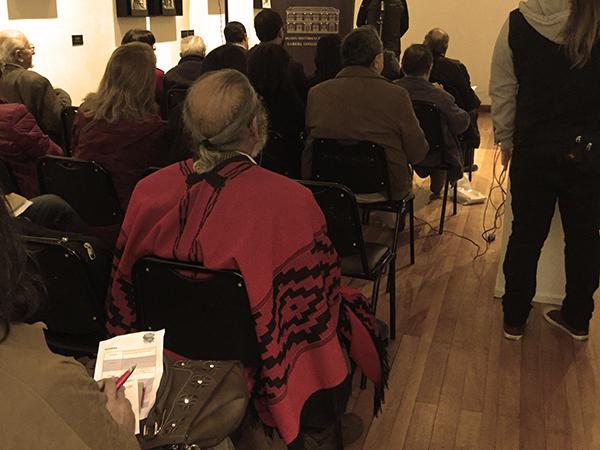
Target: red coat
[
  {"x": 22, "y": 142},
  {"x": 124, "y": 149}
]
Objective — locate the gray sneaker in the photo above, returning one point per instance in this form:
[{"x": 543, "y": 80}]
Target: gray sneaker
[{"x": 554, "y": 317}]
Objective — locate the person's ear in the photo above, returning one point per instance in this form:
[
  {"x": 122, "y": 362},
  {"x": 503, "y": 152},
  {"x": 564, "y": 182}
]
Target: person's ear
[
  {"x": 377, "y": 64},
  {"x": 253, "y": 129}
]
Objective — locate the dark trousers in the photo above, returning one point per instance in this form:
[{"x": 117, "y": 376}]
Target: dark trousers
[
  {"x": 51, "y": 211},
  {"x": 534, "y": 195},
  {"x": 392, "y": 27}
]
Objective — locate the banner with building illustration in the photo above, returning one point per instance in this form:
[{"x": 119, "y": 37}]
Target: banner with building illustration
[{"x": 307, "y": 20}]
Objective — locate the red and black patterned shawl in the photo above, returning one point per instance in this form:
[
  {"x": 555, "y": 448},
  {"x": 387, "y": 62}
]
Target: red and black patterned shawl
[{"x": 243, "y": 217}]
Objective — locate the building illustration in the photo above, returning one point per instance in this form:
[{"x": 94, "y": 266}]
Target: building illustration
[{"x": 312, "y": 19}]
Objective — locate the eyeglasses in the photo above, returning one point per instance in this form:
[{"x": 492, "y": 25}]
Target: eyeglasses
[{"x": 29, "y": 47}]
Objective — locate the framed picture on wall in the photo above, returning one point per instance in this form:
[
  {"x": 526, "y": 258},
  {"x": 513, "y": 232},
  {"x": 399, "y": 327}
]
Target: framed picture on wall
[
  {"x": 139, "y": 7},
  {"x": 168, "y": 7}
]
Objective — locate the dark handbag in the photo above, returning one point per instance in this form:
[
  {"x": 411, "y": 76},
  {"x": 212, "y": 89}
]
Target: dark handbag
[{"x": 198, "y": 404}]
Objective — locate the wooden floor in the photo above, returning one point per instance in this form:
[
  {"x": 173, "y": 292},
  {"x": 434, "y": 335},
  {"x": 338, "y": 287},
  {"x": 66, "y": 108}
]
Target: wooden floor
[{"x": 455, "y": 382}]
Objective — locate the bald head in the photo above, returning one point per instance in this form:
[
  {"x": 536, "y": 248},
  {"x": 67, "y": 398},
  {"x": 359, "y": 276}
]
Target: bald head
[
  {"x": 223, "y": 114},
  {"x": 15, "y": 48},
  {"x": 437, "y": 40}
]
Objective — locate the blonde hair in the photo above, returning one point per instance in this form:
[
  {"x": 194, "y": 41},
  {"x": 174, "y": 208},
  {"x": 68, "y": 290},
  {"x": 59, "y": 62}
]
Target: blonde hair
[
  {"x": 582, "y": 31},
  {"x": 127, "y": 89}
]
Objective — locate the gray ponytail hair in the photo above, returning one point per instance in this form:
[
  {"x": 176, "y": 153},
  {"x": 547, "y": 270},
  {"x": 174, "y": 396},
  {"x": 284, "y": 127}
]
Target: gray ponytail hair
[{"x": 216, "y": 133}]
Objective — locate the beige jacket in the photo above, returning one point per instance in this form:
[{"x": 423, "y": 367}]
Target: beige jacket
[
  {"x": 49, "y": 402},
  {"x": 358, "y": 104}
]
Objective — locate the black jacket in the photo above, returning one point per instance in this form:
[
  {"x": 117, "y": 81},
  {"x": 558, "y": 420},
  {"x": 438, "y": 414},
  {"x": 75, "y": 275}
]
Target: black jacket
[
  {"x": 183, "y": 75},
  {"x": 453, "y": 75}
]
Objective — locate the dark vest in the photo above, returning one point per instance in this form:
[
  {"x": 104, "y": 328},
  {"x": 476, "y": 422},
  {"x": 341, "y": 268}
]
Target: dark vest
[{"x": 555, "y": 101}]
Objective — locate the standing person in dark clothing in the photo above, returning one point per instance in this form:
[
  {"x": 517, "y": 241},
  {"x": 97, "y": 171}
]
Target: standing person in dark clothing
[
  {"x": 269, "y": 29},
  {"x": 328, "y": 59},
  {"x": 546, "y": 112},
  {"x": 389, "y": 16}
]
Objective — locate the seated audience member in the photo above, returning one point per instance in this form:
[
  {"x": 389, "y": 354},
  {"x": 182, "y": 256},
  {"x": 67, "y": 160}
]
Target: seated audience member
[
  {"x": 268, "y": 72},
  {"x": 21, "y": 85},
  {"x": 226, "y": 56},
  {"x": 450, "y": 73},
  {"x": 235, "y": 33},
  {"x": 48, "y": 401},
  {"x": 269, "y": 29},
  {"x": 147, "y": 37},
  {"x": 119, "y": 126},
  {"x": 359, "y": 104},
  {"x": 416, "y": 64},
  {"x": 224, "y": 211},
  {"x": 391, "y": 66},
  {"x": 189, "y": 68},
  {"x": 48, "y": 211},
  {"x": 328, "y": 61},
  {"x": 21, "y": 144},
  {"x": 454, "y": 77}
]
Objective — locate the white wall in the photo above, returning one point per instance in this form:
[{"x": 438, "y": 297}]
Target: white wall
[
  {"x": 473, "y": 26},
  {"x": 49, "y": 25}
]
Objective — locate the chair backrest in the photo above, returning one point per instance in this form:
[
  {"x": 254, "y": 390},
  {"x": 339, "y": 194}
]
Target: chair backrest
[
  {"x": 74, "y": 303},
  {"x": 283, "y": 154},
  {"x": 430, "y": 120},
  {"x": 85, "y": 185},
  {"x": 206, "y": 313},
  {"x": 8, "y": 182},
  {"x": 68, "y": 116},
  {"x": 361, "y": 166},
  {"x": 175, "y": 96},
  {"x": 343, "y": 219}
]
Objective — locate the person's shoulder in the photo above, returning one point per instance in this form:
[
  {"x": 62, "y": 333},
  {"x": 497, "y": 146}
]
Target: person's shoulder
[{"x": 275, "y": 187}]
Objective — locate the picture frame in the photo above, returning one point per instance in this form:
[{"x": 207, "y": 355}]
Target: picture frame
[
  {"x": 168, "y": 7},
  {"x": 139, "y": 7}
]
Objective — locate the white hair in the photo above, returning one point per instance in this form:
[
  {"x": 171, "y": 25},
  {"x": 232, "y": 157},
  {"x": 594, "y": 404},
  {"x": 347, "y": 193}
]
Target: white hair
[
  {"x": 10, "y": 42},
  {"x": 193, "y": 45}
]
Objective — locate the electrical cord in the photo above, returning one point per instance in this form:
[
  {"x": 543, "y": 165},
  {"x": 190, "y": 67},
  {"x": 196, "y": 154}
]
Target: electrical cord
[
  {"x": 497, "y": 184},
  {"x": 489, "y": 232}
]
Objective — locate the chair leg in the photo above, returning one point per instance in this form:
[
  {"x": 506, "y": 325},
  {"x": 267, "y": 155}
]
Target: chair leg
[
  {"x": 374, "y": 296},
  {"x": 444, "y": 201},
  {"x": 470, "y": 175},
  {"x": 392, "y": 283},
  {"x": 395, "y": 241},
  {"x": 411, "y": 230},
  {"x": 455, "y": 199}
]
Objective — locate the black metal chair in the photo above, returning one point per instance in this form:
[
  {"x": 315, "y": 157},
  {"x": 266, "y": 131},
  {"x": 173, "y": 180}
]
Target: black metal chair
[
  {"x": 74, "y": 306},
  {"x": 283, "y": 154},
  {"x": 206, "y": 313},
  {"x": 85, "y": 185},
  {"x": 68, "y": 116},
  {"x": 362, "y": 167},
  {"x": 430, "y": 120},
  {"x": 8, "y": 182},
  {"x": 470, "y": 139},
  {"x": 360, "y": 259}
]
